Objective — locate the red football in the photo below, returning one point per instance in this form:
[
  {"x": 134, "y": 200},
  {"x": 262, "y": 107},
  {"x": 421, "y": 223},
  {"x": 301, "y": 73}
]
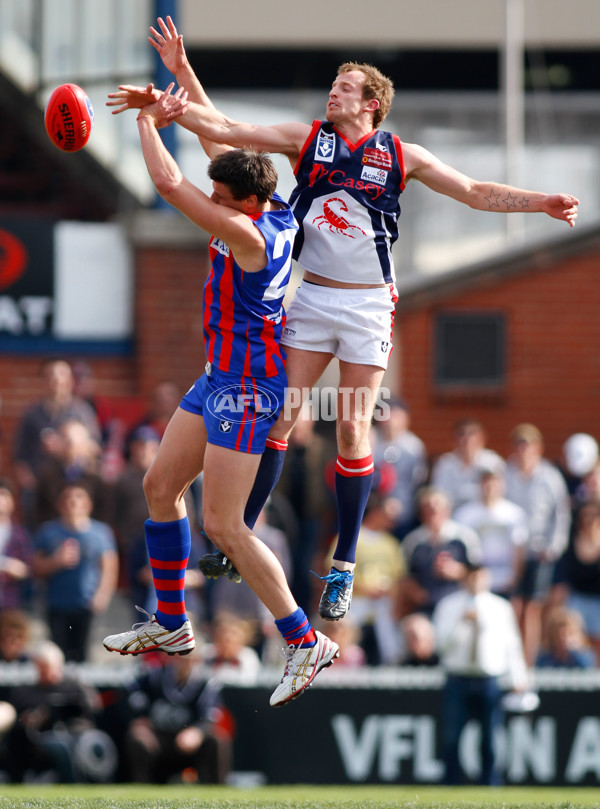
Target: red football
[{"x": 69, "y": 117}]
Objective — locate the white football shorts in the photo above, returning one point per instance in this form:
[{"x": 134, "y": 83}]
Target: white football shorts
[{"x": 355, "y": 325}]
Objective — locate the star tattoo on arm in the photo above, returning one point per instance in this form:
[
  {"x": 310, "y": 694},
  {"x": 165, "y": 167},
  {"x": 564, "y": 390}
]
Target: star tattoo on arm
[
  {"x": 492, "y": 199},
  {"x": 524, "y": 202},
  {"x": 510, "y": 201}
]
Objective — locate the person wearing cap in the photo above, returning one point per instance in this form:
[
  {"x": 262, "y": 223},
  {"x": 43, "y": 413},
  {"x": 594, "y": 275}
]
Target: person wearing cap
[
  {"x": 458, "y": 472},
  {"x": 580, "y": 454},
  {"x": 480, "y": 648},
  {"x": 537, "y": 485}
]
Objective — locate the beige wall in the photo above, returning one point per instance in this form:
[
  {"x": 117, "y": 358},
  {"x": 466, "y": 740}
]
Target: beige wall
[{"x": 385, "y": 23}]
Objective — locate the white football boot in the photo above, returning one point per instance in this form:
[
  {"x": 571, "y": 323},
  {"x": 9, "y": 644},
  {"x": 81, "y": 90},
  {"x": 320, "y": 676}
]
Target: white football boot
[
  {"x": 150, "y": 636},
  {"x": 303, "y": 665}
]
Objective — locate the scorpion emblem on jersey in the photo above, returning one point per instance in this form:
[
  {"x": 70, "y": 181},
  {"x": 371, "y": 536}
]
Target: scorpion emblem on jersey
[{"x": 333, "y": 220}]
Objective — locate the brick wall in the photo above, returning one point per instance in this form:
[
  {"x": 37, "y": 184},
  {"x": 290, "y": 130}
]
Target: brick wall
[
  {"x": 171, "y": 263},
  {"x": 553, "y": 356}
]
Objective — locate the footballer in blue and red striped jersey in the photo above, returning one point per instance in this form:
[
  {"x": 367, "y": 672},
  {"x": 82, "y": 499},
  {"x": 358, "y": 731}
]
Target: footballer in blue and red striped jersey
[
  {"x": 243, "y": 312},
  {"x": 243, "y": 391},
  {"x": 346, "y": 201}
]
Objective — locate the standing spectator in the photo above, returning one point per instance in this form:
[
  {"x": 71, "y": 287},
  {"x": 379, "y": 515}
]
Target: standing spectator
[
  {"x": 502, "y": 530},
  {"x": 129, "y": 508},
  {"x": 36, "y": 437},
  {"x": 590, "y": 487},
  {"x": 478, "y": 641},
  {"x": 15, "y": 552},
  {"x": 458, "y": 472},
  {"x": 577, "y": 575},
  {"x": 175, "y": 723},
  {"x": 579, "y": 457},
  {"x": 419, "y": 646},
  {"x": 76, "y": 459},
  {"x": 77, "y": 558},
  {"x": 436, "y": 553},
  {"x": 85, "y": 388},
  {"x": 566, "y": 645},
  {"x": 538, "y": 487},
  {"x": 396, "y": 446}
]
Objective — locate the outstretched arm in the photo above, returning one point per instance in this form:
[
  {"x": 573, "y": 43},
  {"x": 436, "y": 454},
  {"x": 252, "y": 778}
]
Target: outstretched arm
[
  {"x": 211, "y": 125},
  {"x": 201, "y": 116},
  {"x": 484, "y": 196},
  {"x": 169, "y": 46},
  {"x": 230, "y": 225}
]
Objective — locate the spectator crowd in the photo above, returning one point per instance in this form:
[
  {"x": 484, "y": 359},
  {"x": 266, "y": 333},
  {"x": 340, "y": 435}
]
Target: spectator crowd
[{"x": 437, "y": 532}]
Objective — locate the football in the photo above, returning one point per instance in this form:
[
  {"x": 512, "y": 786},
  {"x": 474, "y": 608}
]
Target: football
[{"x": 69, "y": 117}]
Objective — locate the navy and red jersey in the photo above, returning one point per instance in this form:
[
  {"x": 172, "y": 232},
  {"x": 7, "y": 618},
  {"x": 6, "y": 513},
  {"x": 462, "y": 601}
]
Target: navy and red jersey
[
  {"x": 346, "y": 201},
  {"x": 243, "y": 312}
]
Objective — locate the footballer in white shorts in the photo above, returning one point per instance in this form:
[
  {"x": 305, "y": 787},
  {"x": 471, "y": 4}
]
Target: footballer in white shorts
[{"x": 355, "y": 325}]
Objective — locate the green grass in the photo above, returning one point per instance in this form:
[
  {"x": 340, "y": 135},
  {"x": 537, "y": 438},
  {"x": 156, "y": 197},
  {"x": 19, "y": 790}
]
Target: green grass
[{"x": 293, "y": 797}]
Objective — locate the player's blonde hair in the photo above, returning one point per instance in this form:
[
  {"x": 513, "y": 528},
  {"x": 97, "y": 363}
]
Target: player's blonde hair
[{"x": 376, "y": 86}]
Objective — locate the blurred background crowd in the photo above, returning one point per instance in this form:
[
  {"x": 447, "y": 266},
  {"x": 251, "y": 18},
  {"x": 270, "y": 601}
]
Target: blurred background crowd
[{"x": 73, "y": 560}]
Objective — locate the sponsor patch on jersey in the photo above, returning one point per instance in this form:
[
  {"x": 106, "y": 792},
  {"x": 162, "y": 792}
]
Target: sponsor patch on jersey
[
  {"x": 377, "y": 159},
  {"x": 378, "y": 176},
  {"x": 220, "y": 246},
  {"x": 325, "y": 147},
  {"x": 225, "y": 426}
]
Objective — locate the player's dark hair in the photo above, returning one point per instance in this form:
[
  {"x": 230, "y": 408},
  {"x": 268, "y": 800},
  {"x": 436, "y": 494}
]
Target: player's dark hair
[
  {"x": 245, "y": 172},
  {"x": 376, "y": 85}
]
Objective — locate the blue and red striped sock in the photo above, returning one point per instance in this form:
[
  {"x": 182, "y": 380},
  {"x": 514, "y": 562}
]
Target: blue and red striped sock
[
  {"x": 169, "y": 545},
  {"x": 296, "y": 629},
  {"x": 353, "y": 481}
]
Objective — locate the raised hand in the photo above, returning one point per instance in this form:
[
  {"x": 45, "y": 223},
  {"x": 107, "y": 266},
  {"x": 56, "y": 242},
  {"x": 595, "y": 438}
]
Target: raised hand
[
  {"x": 129, "y": 97},
  {"x": 169, "y": 45},
  {"x": 167, "y": 107}
]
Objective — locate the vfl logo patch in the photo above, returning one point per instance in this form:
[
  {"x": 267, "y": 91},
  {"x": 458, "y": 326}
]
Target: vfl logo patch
[
  {"x": 225, "y": 427},
  {"x": 220, "y": 246},
  {"x": 325, "y": 147},
  {"x": 384, "y": 346}
]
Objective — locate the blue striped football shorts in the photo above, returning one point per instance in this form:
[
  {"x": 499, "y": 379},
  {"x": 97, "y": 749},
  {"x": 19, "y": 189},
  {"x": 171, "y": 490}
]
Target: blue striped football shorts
[{"x": 238, "y": 412}]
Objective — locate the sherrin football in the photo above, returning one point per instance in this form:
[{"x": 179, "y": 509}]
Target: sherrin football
[{"x": 69, "y": 117}]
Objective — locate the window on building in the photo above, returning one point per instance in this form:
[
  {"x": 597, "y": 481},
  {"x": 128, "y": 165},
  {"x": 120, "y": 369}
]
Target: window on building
[{"x": 469, "y": 350}]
